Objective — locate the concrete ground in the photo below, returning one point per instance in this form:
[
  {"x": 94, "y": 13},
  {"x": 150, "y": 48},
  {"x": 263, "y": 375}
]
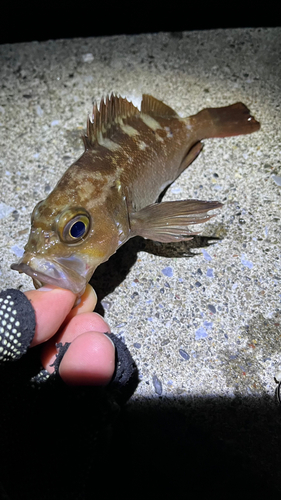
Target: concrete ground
[{"x": 201, "y": 319}]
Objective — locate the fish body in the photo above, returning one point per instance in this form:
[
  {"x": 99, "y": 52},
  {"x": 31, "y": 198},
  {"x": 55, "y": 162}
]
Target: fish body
[{"x": 110, "y": 193}]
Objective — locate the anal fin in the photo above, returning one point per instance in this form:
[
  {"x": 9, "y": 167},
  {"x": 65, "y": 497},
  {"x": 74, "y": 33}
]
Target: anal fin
[
  {"x": 168, "y": 221},
  {"x": 191, "y": 155}
]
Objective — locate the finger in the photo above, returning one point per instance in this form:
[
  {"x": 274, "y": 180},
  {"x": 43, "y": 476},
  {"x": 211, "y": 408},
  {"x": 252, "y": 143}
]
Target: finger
[
  {"x": 85, "y": 322},
  {"x": 86, "y": 303},
  {"x": 89, "y": 360},
  {"x": 51, "y": 306}
]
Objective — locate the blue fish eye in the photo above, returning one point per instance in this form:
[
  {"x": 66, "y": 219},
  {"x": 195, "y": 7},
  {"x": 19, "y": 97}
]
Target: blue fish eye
[
  {"x": 72, "y": 227},
  {"x": 78, "y": 229}
]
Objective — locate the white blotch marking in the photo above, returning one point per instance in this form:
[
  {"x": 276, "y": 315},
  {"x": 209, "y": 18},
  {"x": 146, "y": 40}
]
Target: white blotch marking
[
  {"x": 188, "y": 124},
  {"x": 159, "y": 138},
  {"x": 150, "y": 122},
  {"x": 168, "y": 132},
  {"x": 131, "y": 131},
  {"x": 108, "y": 144},
  {"x": 142, "y": 145}
]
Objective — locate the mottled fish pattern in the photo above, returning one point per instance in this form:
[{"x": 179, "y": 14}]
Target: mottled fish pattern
[{"x": 110, "y": 193}]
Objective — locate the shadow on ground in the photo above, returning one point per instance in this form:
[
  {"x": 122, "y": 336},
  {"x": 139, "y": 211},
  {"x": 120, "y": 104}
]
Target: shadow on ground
[
  {"x": 70, "y": 443},
  {"x": 110, "y": 274}
]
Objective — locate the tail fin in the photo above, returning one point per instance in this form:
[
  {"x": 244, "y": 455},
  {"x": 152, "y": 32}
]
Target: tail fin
[{"x": 224, "y": 122}]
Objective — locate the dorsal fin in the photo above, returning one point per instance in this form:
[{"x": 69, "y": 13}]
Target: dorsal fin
[
  {"x": 154, "y": 107},
  {"x": 111, "y": 111}
]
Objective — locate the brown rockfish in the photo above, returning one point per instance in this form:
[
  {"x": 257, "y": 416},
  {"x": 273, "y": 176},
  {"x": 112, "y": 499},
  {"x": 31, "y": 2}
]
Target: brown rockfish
[{"x": 110, "y": 193}]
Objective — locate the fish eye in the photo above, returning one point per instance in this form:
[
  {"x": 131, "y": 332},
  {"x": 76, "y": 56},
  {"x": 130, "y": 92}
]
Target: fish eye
[
  {"x": 76, "y": 228},
  {"x": 73, "y": 225}
]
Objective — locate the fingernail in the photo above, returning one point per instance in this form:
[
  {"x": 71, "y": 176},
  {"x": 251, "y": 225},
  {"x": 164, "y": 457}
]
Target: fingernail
[
  {"x": 107, "y": 334},
  {"x": 45, "y": 289}
]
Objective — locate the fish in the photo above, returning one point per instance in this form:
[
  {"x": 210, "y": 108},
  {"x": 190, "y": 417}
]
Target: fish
[{"x": 112, "y": 192}]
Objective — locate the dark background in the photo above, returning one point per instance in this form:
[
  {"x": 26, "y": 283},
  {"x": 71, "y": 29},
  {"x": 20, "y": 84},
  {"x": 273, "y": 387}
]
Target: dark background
[
  {"x": 30, "y": 20},
  {"x": 62, "y": 443}
]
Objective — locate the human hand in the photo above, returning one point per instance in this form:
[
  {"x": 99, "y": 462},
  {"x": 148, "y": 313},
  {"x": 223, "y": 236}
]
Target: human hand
[{"x": 90, "y": 359}]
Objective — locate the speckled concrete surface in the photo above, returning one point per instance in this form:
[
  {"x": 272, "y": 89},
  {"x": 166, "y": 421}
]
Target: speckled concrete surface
[
  {"x": 202, "y": 319},
  {"x": 204, "y": 324}
]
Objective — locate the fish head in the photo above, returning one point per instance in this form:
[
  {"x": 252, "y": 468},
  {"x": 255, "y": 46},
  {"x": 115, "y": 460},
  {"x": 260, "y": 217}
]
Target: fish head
[{"x": 71, "y": 234}]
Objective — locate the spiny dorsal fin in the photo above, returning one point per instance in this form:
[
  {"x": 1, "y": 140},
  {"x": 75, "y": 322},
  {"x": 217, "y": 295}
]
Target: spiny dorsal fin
[
  {"x": 154, "y": 107},
  {"x": 111, "y": 111}
]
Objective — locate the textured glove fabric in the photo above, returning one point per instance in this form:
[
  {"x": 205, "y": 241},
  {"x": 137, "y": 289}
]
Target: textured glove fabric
[{"x": 17, "y": 324}]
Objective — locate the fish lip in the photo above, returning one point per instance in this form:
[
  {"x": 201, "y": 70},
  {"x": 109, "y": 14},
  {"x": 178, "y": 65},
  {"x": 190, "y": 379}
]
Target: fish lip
[{"x": 66, "y": 278}]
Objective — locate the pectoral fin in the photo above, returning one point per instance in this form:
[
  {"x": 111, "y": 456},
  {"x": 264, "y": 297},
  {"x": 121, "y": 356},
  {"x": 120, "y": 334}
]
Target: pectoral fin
[{"x": 168, "y": 221}]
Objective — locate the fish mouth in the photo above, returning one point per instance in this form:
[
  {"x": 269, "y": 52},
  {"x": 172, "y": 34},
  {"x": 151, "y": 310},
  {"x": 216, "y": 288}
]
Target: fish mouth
[{"x": 66, "y": 272}]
